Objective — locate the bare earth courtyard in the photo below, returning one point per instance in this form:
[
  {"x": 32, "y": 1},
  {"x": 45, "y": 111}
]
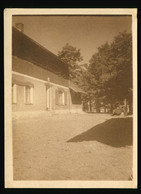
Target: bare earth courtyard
[{"x": 73, "y": 147}]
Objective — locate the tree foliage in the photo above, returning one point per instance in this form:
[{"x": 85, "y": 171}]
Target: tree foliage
[
  {"x": 72, "y": 56},
  {"x": 111, "y": 67},
  {"x": 108, "y": 76}
]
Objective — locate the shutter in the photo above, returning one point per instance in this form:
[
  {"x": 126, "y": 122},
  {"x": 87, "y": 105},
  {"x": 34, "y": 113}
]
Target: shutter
[
  {"x": 24, "y": 95},
  {"x": 28, "y": 95},
  {"x": 65, "y": 93},
  {"x": 14, "y": 94},
  {"x": 56, "y": 96},
  {"x": 31, "y": 95}
]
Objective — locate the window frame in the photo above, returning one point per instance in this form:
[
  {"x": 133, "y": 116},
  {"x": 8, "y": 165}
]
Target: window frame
[
  {"x": 62, "y": 95},
  {"x": 14, "y": 93},
  {"x": 28, "y": 90}
]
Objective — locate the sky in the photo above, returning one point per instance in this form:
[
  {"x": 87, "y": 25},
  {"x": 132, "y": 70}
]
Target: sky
[{"x": 86, "y": 33}]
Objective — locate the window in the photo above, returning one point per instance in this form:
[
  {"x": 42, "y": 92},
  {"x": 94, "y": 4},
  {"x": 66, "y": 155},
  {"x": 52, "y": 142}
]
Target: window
[
  {"x": 61, "y": 97},
  {"x": 14, "y": 93},
  {"x": 28, "y": 95}
]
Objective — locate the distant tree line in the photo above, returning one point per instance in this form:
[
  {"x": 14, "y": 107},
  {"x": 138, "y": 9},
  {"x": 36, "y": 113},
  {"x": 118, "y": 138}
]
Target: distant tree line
[{"x": 107, "y": 78}]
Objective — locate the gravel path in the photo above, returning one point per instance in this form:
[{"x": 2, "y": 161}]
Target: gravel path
[{"x": 72, "y": 147}]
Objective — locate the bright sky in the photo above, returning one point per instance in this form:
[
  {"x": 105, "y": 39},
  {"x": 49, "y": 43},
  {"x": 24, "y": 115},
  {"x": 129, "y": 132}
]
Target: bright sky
[{"x": 86, "y": 33}]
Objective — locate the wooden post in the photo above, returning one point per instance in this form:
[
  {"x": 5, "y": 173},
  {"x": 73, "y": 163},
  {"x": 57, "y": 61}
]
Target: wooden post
[{"x": 125, "y": 104}]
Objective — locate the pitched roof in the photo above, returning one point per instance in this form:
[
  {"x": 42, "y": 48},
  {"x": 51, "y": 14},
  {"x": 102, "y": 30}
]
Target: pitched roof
[
  {"x": 28, "y": 49},
  {"x": 75, "y": 88}
]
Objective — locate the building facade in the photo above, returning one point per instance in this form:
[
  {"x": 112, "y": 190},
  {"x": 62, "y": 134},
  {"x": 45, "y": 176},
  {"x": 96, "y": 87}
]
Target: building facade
[{"x": 40, "y": 81}]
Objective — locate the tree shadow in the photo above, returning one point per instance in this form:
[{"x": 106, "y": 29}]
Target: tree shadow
[{"x": 116, "y": 132}]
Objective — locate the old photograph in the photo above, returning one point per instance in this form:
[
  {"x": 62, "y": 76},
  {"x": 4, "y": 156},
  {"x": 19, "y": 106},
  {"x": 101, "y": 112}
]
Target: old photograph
[{"x": 71, "y": 98}]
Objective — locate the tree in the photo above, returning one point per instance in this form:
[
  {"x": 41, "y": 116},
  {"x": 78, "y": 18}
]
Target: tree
[
  {"x": 122, "y": 54},
  {"x": 72, "y": 56},
  {"x": 101, "y": 69},
  {"x": 111, "y": 67},
  {"x": 108, "y": 77},
  {"x": 77, "y": 71}
]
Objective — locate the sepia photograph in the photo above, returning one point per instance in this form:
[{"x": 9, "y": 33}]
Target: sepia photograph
[{"x": 70, "y": 98}]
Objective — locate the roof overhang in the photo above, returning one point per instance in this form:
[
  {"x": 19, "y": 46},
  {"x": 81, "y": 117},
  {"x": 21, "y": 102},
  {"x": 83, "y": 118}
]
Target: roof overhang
[
  {"x": 75, "y": 88},
  {"x": 27, "y": 49}
]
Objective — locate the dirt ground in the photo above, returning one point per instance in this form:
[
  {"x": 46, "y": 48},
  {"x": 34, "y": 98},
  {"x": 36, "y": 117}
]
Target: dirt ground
[{"x": 73, "y": 147}]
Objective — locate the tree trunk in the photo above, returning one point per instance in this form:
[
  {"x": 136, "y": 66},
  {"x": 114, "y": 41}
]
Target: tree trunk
[
  {"x": 130, "y": 104},
  {"x": 111, "y": 109},
  {"x": 130, "y": 107},
  {"x": 125, "y": 105},
  {"x": 90, "y": 106}
]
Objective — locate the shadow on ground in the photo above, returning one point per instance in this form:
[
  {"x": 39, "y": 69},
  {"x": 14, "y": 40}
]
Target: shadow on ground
[{"x": 116, "y": 132}]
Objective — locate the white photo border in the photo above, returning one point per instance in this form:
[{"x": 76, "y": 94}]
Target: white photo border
[{"x": 9, "y": 182}]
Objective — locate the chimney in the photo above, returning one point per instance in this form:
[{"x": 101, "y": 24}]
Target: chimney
[{"x": 20, "y": 27}]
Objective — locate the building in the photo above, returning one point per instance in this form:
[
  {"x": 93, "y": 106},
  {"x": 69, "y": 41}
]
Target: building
[{"x": 40, "y": 81}]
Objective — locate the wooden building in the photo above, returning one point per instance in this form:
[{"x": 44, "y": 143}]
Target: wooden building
[{"x": 40, "y": 81}]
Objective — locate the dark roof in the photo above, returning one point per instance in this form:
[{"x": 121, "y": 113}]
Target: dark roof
[
  {"x": 29, "y": 50},
  {"x": 75, "y": 88}
]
